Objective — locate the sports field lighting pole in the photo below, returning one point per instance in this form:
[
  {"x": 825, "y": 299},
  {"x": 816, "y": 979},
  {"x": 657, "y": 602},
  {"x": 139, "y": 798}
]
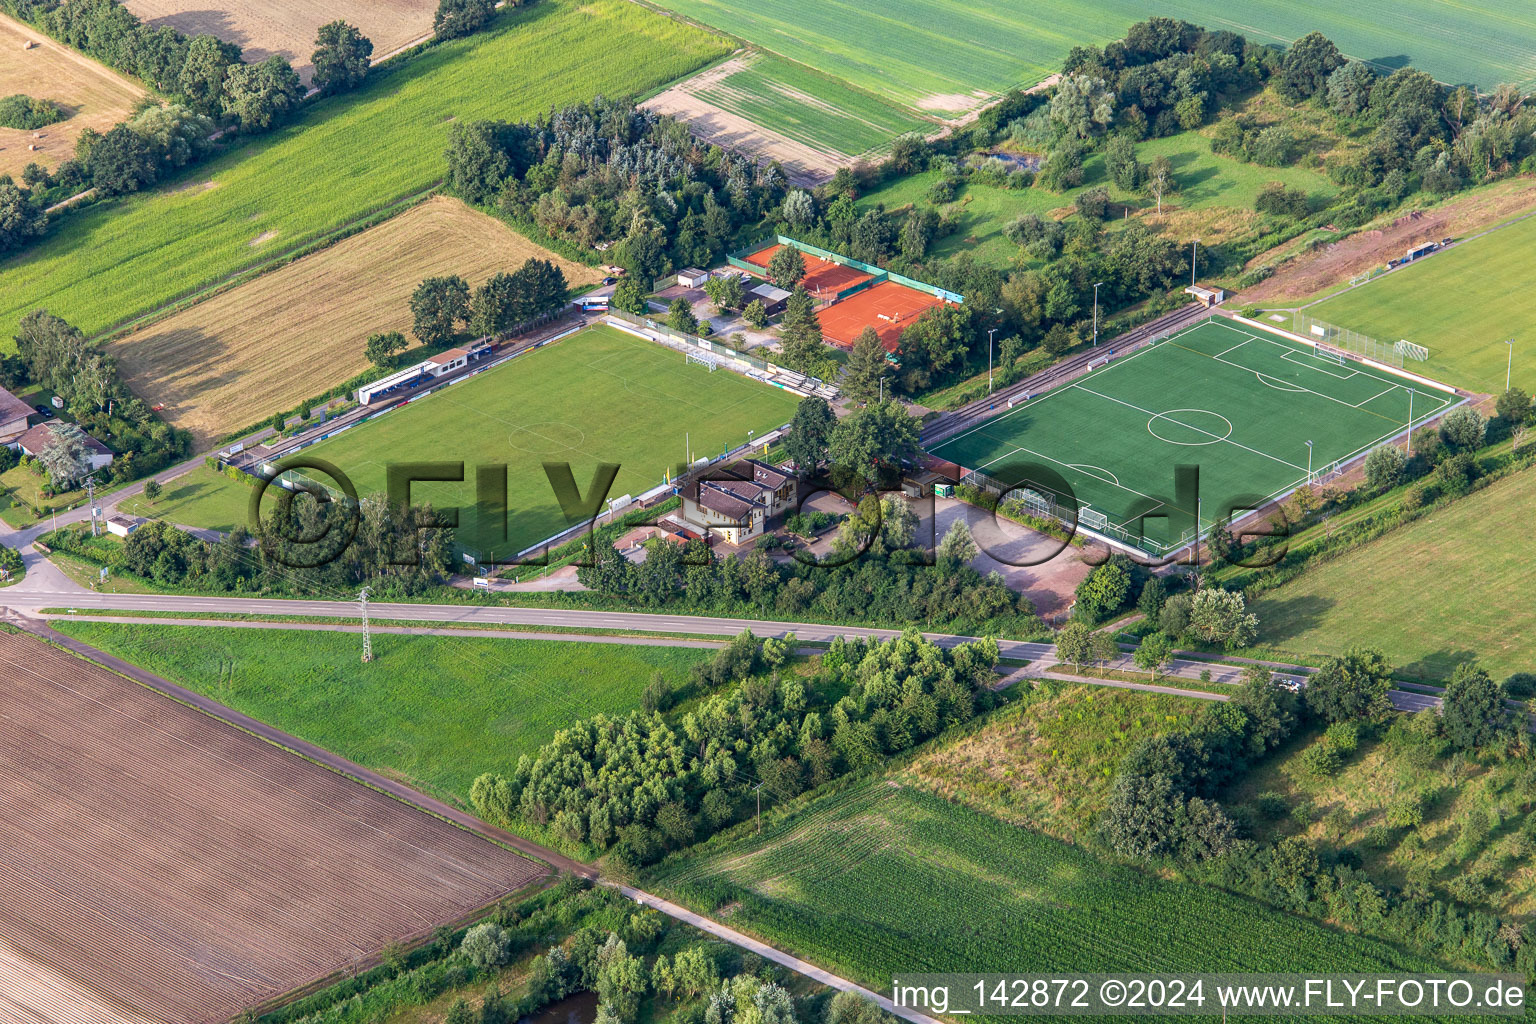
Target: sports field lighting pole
[
  {"x": 1309, "y": 463},
  {"x": 1510, "y": 364},
  {"x": 1096, "y": 312},
  {"x": 993, "y": 330},
  {"x": 1194, "y": 247},
  {"x": 1409, "y": 431},
  {"x": 882, "y": 390}
]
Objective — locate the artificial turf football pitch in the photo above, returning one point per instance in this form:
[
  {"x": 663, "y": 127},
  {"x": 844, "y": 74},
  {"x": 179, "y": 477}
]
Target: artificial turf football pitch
[
  {"x": 600, "y": 396},
  {"x": 1240, "y": 405}
]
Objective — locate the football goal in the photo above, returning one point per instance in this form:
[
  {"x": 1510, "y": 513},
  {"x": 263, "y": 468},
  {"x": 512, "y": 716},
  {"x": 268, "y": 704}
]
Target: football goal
[
  {"x": 1328, "y": 352},
  {"x": 707, "y": 360}
]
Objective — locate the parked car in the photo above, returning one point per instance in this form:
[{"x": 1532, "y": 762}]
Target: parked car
[
  {"x": 610, "y": 280},
  {"x": 43, "y": 411}
]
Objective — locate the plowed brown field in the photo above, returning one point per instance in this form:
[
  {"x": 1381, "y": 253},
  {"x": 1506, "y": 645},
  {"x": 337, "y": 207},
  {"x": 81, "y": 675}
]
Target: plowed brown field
[{"x": 160, "y": 865}]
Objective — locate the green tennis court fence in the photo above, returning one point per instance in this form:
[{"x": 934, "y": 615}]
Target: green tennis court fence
[{"x": 738, "y": 259}]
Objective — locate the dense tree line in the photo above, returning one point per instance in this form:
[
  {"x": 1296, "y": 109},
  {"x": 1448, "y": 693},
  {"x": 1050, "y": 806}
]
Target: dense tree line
[
  {"x": 56, "y": 356},
  {"x": 609, "y": 171},
  {"x": 641, "y": 785},
  {"x": 875, "y": 573},
  {"x": 306, "y": 546},
  {"x": 442, "y": 307}
]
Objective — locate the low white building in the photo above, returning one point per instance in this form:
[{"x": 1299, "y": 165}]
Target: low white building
[
  {"x": 122, "y": 526},
  {"x": 692, "y": 277}
]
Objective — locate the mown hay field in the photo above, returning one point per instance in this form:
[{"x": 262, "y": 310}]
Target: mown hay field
[
  {"x": 287, "y": 27},
  {"x": 343, "y": 159},
  {"x": 225, "y": 363},
  {"x": 948, "y": 56},
  {"x": 93, "y": 95}
]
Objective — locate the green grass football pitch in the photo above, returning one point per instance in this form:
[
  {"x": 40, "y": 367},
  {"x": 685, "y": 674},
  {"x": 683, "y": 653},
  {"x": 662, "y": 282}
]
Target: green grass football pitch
[
  {"x": 1241, "y": 405},
  {"x": 601, "y": 396}
]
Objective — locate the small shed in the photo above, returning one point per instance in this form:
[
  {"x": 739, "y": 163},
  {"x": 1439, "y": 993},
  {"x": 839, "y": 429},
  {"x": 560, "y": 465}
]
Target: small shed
[
  {"x": 122, "y": 526},
  {"x": 1209, "y": 296},
  {"x": 692, "y": 277},
  {"x": 772, "y": 298}
]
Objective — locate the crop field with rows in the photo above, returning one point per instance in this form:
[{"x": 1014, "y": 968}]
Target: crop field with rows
[{"x": 882, "y": 879}]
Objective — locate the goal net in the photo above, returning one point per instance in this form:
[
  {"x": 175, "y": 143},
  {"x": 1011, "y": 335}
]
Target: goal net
[
  {"x": 1091, "y": 519},
  {"x": 1412, "y": 351},
  {"x": 705, "y": 359},
  {"x": 1328, "y": 352}
]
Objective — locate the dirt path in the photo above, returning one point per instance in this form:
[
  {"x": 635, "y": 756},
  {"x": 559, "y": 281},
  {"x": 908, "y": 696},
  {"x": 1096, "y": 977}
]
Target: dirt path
[{"x": 1301, "y": 278}]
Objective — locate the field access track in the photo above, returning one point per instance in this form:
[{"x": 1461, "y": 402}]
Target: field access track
[{"x": 164, "y": 866}]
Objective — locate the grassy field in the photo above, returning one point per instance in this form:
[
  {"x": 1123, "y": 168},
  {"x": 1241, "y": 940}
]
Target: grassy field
[
  {"x": 344, "y": 158},
  {"x": 1446, "y": 588},
  {"x": 881, "y": 879},
  {"x": 809, "y": 107},
  {"x": 1214, "y": 201},
  {"x": 601, "y": 396},
  {"x": 93, "y": 95},
  {"x": 1461, "y": 305},
  {"x": 1046, "y": 763},
  {"x": 946, "y": 56},
  {"x": 432, "y": 711},
  {"x": 288, "y": 335},
  {"x": 200, "y": 498},
  {"x": 1252, "y": 410}
]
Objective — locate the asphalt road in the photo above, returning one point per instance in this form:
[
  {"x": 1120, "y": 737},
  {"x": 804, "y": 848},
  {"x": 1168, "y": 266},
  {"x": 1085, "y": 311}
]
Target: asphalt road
[{"x": 45, "y": 589}]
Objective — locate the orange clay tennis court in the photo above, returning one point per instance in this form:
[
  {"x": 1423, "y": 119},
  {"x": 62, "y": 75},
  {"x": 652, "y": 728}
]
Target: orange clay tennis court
[
  {"x": 823, "y": 278},
  {"x": 888, "y": 307}
]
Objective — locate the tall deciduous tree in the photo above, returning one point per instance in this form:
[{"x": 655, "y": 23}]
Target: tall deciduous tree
[
  {"x": 874, "y": 437},
  {"x": 787, "y": 267},
  {"x": 1351, "y": 686},
  {"x": 340, "y": 57},
  {"x": 1155, "y": 651},
  {"x": 438, "y": 306},
  {"x": 456, "y": 18},
  {"x": 382, "y": 350},
  {"x": 1474, "y": 713},
  {"x": 21, "y": 218},
  {"x": 261, "y": 95}
]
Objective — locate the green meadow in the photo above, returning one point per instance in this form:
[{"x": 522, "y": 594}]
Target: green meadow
[{"x": 343, "y": 159}]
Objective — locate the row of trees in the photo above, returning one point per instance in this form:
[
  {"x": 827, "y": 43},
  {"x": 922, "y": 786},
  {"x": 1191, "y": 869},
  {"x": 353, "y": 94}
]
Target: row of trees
[
  {"x": 443, "y": 306},
  {"x": 641, "y": 785},
  {"x": 207, "y": 84},
  {"x": 55, "y": 355}
]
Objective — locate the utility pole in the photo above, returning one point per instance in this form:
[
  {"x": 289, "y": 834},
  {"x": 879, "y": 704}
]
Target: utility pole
[
  {"x": 367, "y": 637},
  {"x": 1509, "y": 366},
  {"x": 90, "y": 499},
  {"x": 993, "y": 330},
  {"x": 1096, "y": 312},
  {"x": 759, "y": 791}
]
